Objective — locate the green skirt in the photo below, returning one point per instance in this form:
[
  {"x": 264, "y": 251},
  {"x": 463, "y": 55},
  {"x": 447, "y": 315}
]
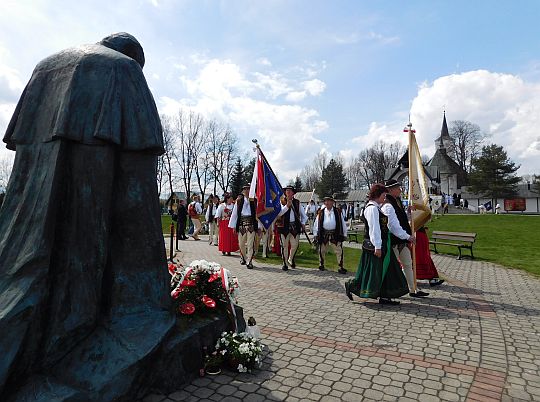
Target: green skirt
[{"x": 379, "y": 277}]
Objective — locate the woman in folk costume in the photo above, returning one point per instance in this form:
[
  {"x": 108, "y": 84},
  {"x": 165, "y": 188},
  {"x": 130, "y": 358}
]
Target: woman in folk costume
[
  {"x": 228, "y": 241},
  {"x": 379, "y": 274},
  {"x": 425, "y": 268}
]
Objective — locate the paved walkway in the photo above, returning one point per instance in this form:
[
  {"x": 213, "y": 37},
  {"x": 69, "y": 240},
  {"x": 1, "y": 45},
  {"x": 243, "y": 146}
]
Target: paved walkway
[{"x": 476, "y": 338}]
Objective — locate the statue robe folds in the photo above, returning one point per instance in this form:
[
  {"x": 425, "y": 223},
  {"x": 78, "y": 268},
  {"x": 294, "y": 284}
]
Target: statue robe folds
[{"x": 83, "y": 278}]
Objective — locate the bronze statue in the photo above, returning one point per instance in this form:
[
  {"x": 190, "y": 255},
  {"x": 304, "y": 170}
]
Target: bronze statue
[{"x": 84, "y": 303}]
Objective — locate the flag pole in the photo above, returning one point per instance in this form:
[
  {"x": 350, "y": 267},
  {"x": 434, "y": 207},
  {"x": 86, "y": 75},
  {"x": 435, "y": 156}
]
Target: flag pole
[
  {"x": 272, "y": 170},
  {"x": 411, "y": 184}
]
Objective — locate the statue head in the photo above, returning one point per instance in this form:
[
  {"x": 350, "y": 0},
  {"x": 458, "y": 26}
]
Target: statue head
[{"x": 126, "y": 44}]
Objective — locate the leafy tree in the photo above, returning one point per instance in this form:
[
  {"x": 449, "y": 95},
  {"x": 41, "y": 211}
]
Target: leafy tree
[
  {"x": 237, "y": 181},
  {"x": 298, "y": 184},
  {"x": 493, "y": 173},
  {"x": 248, "y": 170},
  {"x": 333, "y": 181}
]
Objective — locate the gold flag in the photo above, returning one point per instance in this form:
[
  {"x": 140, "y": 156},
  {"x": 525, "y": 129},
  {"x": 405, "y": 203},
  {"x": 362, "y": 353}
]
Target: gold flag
[{"x": 418, "y": 188}]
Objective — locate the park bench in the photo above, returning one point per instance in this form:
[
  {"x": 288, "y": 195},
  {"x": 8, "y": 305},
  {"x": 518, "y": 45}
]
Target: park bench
[
  {"x": 353, "y": 236},
  {"x": 457, "y": 239}
]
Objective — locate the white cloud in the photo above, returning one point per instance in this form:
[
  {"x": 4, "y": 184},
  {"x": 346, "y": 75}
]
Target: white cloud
[
  {"x": 264, "y": 61},
  {"x": 504, "y": 105},
  {"x": 250, "y": 102}
]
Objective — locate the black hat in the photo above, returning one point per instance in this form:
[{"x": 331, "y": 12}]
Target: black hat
[
  {"x": 288, "y": 188},
  {"x": 391, "y": 183},
  {"x": 328, "y": 197},
  {"x": 246, "y": 186}
]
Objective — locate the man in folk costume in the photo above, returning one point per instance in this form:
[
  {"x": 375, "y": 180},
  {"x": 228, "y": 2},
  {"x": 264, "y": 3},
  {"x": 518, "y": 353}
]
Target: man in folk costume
[
  {"x": 400, "y": 233},
  {"x": 244, "y": 222},
  {"x": 311, "y": 211},
  {"x": 211, "y": 210},
  {"x": 194, "y": 211},
  {"x": 294, "y": 219},
  {"x": 330, "y": 230}
]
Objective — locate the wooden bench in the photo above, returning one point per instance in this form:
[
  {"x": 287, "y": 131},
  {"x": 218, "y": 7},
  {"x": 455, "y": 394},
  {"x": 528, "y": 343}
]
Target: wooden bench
[
  {"x": 457, "y": 239},
  {"x": 353, "y": 236}
]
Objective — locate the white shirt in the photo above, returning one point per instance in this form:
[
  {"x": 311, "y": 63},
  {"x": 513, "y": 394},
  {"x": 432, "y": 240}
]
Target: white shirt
[
  {"x": 292, "y": 218},
  {"x": 198, "y": 207},
  {"x": 329, "y": 222},
  {"x": 214, "y": 211},
  {"x": 393, "y": 222},
  {"x": 372, "y": 217},
  {"x": 311, "y": 208},
  {"x": 246, "y": 211}
]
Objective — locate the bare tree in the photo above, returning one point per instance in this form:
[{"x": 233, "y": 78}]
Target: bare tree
[
  {"x": 165, "y": 172},
  {"x": 467, "y": 140},
  {"x": 222, "y": 151},
  {"x": 373, "y": 161},
  {"x": 189, "y": 135},
  {"x": 311, "y": 174},
  {"x": 6, "y": 165}
]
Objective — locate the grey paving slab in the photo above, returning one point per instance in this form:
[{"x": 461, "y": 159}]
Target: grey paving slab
[{"x": 477, "y": 337}]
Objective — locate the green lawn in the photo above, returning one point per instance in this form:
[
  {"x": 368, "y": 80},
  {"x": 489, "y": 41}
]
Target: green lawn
[
  {"x": 166, "y": 224},
  {"x": 307, "y": 257},
  {"x": 509, "y": 240}
]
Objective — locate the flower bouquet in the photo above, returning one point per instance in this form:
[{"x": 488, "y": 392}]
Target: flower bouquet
[
  {"x": 241, "y": 351},
  {"x": 202, "y": 286}
]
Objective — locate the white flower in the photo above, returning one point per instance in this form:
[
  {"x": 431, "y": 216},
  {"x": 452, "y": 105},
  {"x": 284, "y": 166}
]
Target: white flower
[
  {"x": 242, "y": 369},
  {"x": 223, "y": 352}
]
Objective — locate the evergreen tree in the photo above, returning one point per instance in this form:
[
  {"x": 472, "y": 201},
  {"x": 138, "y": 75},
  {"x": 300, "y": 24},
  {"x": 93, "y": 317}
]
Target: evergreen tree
[
  {"x": 237, "y": 181},
  {"x": 298, "y": 185},
  {"x": 333, "y": 181},
  {"x": 248, "y": 171},
  {"x": 493, "y": 174}
]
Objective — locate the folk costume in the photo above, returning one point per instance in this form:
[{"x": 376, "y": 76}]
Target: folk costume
[
  {"x": 330, "y": 230},
  {"x": 425, "y": 268},
  {"x": 194, "y": 212},
  {"x": 212, "y": 225},
  {"x": 311, "y": 211},
  {"x": 228, "y": 240},
  {"x": 293, "y": 220},
  {"x": 181, "y": 212},
  {"x": 400, "y": 234},
  {"x": 244, "y": 222},
  {"x": 377, "y": 277}
]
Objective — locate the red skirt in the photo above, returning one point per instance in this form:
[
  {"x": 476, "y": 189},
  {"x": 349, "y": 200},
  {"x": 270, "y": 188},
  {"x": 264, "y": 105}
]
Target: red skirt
[
  {"x": 276, "y": 249},
  {"x": 425, "y": 268},
  {"x": 228, "y": 240}
]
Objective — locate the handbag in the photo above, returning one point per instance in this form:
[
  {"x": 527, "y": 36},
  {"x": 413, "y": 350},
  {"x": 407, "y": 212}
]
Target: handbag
[{"x": 368, "y": 245}]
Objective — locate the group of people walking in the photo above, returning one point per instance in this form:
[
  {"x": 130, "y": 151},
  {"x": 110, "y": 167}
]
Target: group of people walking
[{"x": 385, "y": 270}]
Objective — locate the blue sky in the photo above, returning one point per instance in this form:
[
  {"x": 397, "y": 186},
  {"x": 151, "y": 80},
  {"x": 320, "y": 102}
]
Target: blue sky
[{"x": 311, "y": 76}]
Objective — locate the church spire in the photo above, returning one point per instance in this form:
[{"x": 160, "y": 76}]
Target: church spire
[{"x": 445, "y": 135}]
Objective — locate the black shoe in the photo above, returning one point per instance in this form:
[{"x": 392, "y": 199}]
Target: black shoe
[
  {"x": 388, "y": 301},
  {"x": 223, "y": 253},
  {"x": 242, "y": 262},
  {"x": 250, "y": 266},
  {"x": 419, "y": 293},
  {"x": 321, "y": 268},
  {"x": 293, "y": 265},
  {"x": 285, "y": 268},
  {"x": 342, "y": 271},
  {"x": 228, "y": 254},
  {"x": 348, "y": 290},
  {"x": 436, "y": 282}
]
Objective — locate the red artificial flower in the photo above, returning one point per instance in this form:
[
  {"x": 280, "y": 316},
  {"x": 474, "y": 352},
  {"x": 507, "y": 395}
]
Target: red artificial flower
[
  {"x": 188, "y": 282},
  {"x": 213, "y": 277},
  {"x": 175, "y": 293},
  {"x": 208, "y": 301},
  {"x": 172, "y": 268},
  {"x": 187, "y": 308}
]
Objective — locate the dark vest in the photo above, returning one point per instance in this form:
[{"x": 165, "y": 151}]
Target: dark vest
[
  {"x": 402, "y": 218},
  {"x": 287, "y": 218},
  {"x": 240, "y": 206},
  {"x": 383, "y": 225},
  {"x": 211, "y": 212},
  {"x": 339, "y": 225}
]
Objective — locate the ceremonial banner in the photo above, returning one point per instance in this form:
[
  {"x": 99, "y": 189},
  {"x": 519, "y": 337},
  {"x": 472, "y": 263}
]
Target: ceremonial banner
[
  {"x": 266, "y": 188},
  {"x": 418, "y": 188}
]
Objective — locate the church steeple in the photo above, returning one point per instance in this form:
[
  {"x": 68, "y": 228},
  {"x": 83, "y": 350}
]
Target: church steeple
[{"x": 444, "y": 140}]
